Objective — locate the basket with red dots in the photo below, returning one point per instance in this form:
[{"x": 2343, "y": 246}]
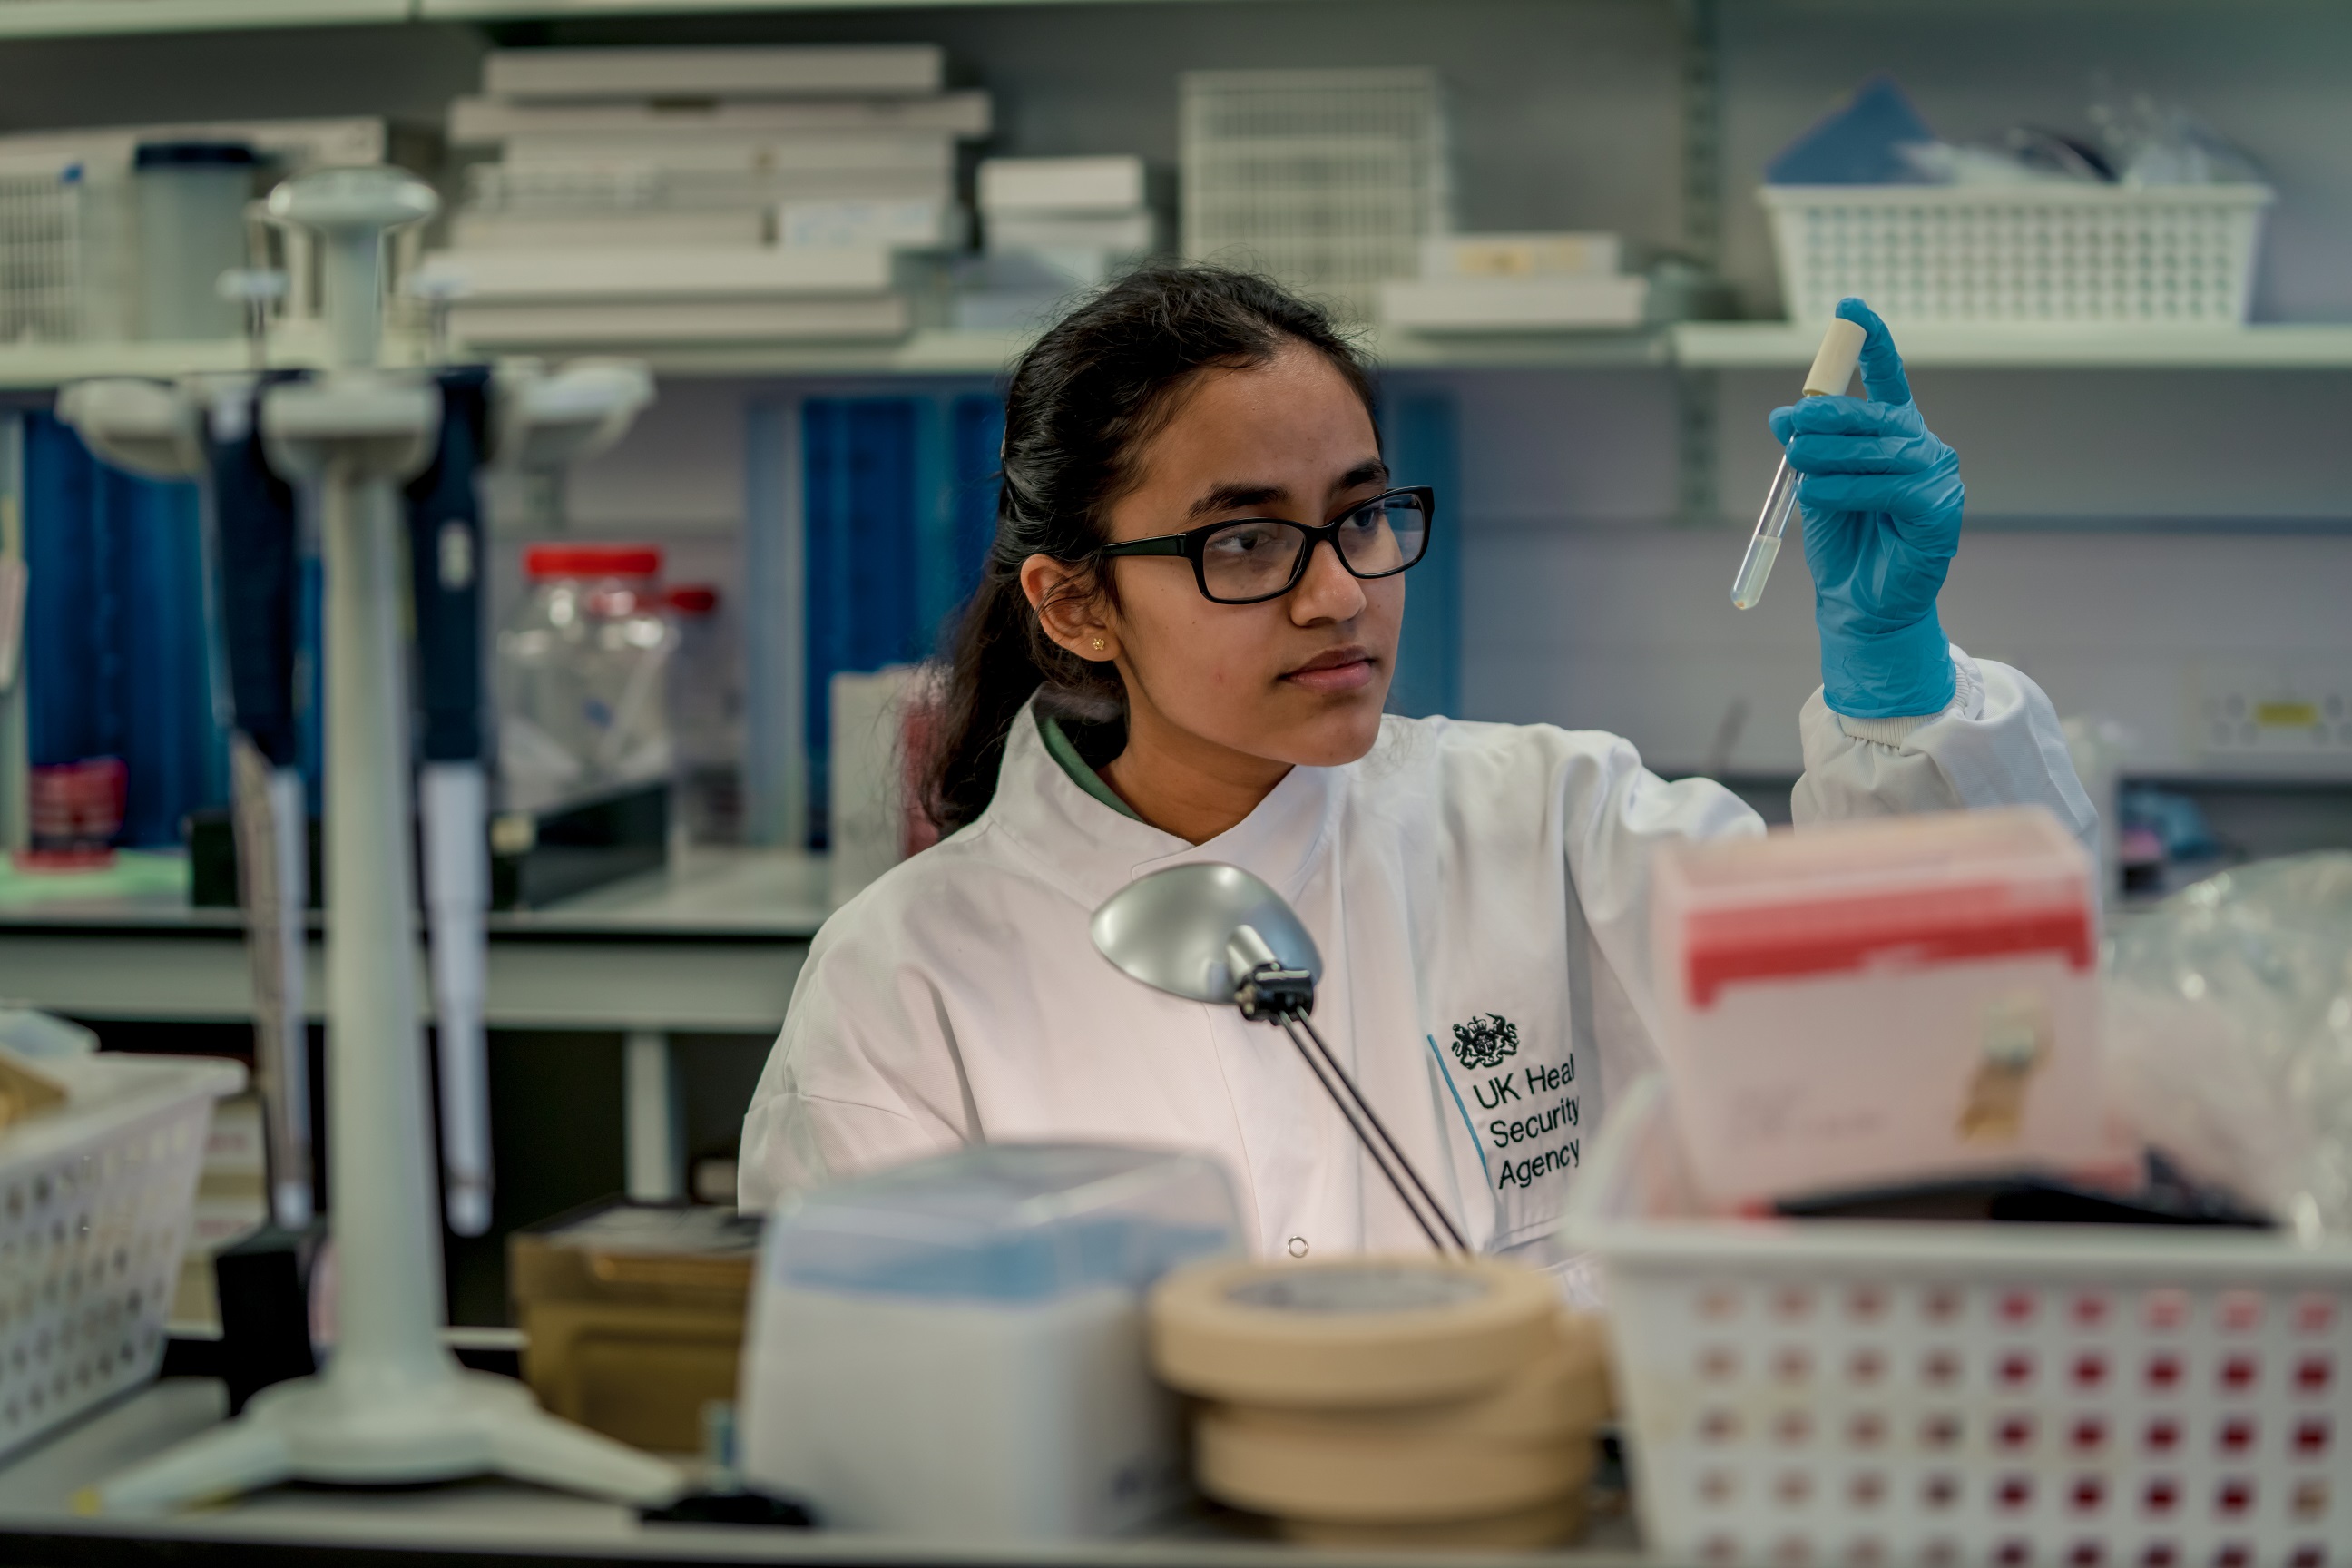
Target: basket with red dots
[{"x": 1865, "y": 1393}]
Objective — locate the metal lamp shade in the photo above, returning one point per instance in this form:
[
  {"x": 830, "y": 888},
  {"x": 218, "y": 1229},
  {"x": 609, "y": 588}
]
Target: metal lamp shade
[{"x": 1171, "y": 930}]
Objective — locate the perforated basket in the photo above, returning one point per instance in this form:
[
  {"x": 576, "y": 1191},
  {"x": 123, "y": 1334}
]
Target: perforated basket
[
  {"x": 1866, "y": 1393},
  {"x": 63, "y": 235},
  {"x": 2179, "y": 254},
  {"x": 1326, "y": 179},
  {"x": 95, "y": 1200}
]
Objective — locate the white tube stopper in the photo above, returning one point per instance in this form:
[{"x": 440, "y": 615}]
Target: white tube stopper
[{"x": 1833, "y": 369}]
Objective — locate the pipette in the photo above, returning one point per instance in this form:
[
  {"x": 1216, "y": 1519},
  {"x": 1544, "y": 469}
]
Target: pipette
[
  {"x": 445, "y": 530},
  {"x": 254, "y": 517},
  {"x": 1833, "y": 369}
]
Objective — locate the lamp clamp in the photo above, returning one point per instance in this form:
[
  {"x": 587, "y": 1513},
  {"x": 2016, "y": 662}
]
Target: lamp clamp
[{"x": 1265, "y": 988}]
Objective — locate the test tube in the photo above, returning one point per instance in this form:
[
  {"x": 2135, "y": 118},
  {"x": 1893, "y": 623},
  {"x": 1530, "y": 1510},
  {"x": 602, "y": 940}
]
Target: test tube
[{"x": 1833, "y": 369}]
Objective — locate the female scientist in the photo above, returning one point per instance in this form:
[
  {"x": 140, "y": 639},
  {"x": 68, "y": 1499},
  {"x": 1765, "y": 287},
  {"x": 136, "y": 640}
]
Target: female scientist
[{"x": 1179, "y": 651}]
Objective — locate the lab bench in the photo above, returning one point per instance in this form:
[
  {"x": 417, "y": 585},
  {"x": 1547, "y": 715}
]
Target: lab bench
[
  {"x": 711, "y": 944},
  {"x": 512, "y": 1525}
]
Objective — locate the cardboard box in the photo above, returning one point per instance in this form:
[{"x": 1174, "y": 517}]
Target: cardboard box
[
  {"x": 634, "y": 1316},
  {"x": 1871, "y": 1002}
]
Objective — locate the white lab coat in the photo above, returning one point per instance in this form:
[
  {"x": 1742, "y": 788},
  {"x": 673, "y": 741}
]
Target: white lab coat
[{"x": 1480, "y": 894}]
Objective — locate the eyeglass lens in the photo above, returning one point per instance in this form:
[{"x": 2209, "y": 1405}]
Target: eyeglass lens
[{"x": 1255, "y": 557}]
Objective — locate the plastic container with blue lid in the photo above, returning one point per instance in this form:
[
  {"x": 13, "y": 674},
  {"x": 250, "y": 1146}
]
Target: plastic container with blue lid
[
  {"x": 956, "y": 1347},
  {"x": 1008, "y": 1223}
]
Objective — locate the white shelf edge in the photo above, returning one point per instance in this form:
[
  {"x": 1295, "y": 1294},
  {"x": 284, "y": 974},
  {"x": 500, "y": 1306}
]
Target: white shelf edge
[
  {"x": 92, "y": 18},
  {"x": 556, "y": 10},
  {"x": 76, "y": 18},
  {"x": 33, "y": 367},
  {"x": 29, "y": 367},
  {"x": 1598, "y": 349},
  {"x": 1770, "y": 345},
  {"x": 933, "y": 352},
  {"x": 1707, "y": 345}
]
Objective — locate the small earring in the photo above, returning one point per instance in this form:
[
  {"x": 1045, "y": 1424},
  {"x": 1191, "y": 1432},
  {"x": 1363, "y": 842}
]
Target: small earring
[{"x": 1100, "y": 644}]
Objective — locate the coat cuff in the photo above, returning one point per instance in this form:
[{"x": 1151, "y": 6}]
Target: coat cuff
[{"x": 1967, "y": 700}]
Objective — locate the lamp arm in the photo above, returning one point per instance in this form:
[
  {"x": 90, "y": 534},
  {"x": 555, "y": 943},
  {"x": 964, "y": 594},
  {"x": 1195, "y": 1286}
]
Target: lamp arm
[
  {"x": 1377, "y": 1142},
  {"x": 1347, "y": 1112},
  {"x": 1268, "y": 991}
]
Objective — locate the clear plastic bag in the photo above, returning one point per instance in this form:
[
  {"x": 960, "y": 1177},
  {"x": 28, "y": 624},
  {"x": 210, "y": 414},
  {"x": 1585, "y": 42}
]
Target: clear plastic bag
[
  {"x": 2230, "y": 1035},
  {"x": 2150, "y": 142}
]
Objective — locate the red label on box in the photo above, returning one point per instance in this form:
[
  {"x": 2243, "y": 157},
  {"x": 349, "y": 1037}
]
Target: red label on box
[{"x": 1728, "y": 946}]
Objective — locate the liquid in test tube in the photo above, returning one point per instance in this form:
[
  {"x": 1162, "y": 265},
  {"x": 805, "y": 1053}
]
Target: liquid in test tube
[{"x": 1833, "y": 369}]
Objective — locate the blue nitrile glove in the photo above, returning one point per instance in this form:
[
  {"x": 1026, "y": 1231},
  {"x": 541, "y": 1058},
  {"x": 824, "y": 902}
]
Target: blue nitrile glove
[{"x": 1881, "y": 498}]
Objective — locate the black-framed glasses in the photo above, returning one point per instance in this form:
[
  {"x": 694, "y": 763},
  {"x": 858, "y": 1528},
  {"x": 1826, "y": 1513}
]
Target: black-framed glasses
[{"x": 1252, "y": 559}]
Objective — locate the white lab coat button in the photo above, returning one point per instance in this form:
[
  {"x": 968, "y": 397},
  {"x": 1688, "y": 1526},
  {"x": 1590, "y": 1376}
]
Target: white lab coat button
[{"x": 1297, "y": 1246}]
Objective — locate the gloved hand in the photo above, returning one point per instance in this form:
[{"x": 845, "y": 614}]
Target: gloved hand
[{"x": 1880, "y": 498}]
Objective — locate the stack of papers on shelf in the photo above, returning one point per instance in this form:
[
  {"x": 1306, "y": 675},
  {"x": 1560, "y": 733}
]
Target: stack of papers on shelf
[
  {"x": 1504, "y": 282},
  {"x": 1067, "y": 204},
  {"x": 684, "y": 193},
  {"x": 1052, "y": 227},
  {"x": 653, "y": 294}
]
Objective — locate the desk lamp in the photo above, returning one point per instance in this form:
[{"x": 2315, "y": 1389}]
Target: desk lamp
[{"x": 1214, "y": 933}]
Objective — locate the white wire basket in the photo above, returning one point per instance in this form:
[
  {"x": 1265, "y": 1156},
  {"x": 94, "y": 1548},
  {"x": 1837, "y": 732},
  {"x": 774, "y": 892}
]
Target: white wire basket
[
  {"x": 1860, "y": 1393},
  {"x": 95, "y": 1202},
  {"x": 1327, "y": 180},
  {"x": 2070, "y": 254},
  {"x": 64, "y": 233}
]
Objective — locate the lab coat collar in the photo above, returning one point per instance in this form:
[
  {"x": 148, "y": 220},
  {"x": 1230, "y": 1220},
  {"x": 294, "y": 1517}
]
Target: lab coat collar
[{"x": 1092, "y": 851}]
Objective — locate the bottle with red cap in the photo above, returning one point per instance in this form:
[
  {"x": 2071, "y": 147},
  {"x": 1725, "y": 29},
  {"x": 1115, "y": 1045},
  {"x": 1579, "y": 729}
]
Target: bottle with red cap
[{"x": 581, "y": 676}]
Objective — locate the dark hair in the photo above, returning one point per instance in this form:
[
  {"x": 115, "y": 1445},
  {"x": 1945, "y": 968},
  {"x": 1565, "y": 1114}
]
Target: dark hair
[{"x": 1083, "y": 402}]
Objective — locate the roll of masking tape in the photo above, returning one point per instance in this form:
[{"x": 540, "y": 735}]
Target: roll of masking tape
[
  {"x": 1378, "y": 1478},
  {"x": 1586, "y": 1337},
  {"x": 1553, "y": 1523},
  {"x": 1563, "y": 1394},
  {"x": 1351, "y": 1334}
]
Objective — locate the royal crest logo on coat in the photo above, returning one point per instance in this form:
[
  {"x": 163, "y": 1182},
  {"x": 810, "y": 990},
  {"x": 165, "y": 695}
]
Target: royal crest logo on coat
[{"x": 1484, "y": 1042}]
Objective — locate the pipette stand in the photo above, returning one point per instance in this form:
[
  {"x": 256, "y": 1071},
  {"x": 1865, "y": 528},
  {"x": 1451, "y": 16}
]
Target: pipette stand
[{"x": 393, "y": 1405}]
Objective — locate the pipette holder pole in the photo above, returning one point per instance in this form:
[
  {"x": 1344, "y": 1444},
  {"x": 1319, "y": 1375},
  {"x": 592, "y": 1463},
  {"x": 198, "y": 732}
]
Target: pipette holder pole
[{"x": 392, "y": 1405}]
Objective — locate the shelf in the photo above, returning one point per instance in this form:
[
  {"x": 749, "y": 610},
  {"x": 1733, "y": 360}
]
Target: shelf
[
  {"x": 70, "y": 18},
  {"x": 1520, "y": 351},
  {"x": 559, "y": 10},
  {"x": 63, "y": 18},
  {"x": 36, "y": 367},
  {"x": 1707, "y": 345},
  {"x": 936, "y": 353},
  {"x": 1773, "y": 345},
  {"x": 949, "y": 353},
  {"x": 929, "y": 352}
]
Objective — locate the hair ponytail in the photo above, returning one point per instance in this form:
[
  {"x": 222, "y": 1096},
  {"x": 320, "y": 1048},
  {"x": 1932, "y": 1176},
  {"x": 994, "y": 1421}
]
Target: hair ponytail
[{"x": 1082, "y": 404}]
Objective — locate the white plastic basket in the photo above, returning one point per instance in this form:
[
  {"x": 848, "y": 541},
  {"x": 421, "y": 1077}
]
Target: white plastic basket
[
  {"x": 95, "y": 1202},
  {"x": 1327, "y": 179},
  {"x": 2066, "y": 1396},
  {"x": 64, "y": 233},
  {"x": 2071, "y": 254}
]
